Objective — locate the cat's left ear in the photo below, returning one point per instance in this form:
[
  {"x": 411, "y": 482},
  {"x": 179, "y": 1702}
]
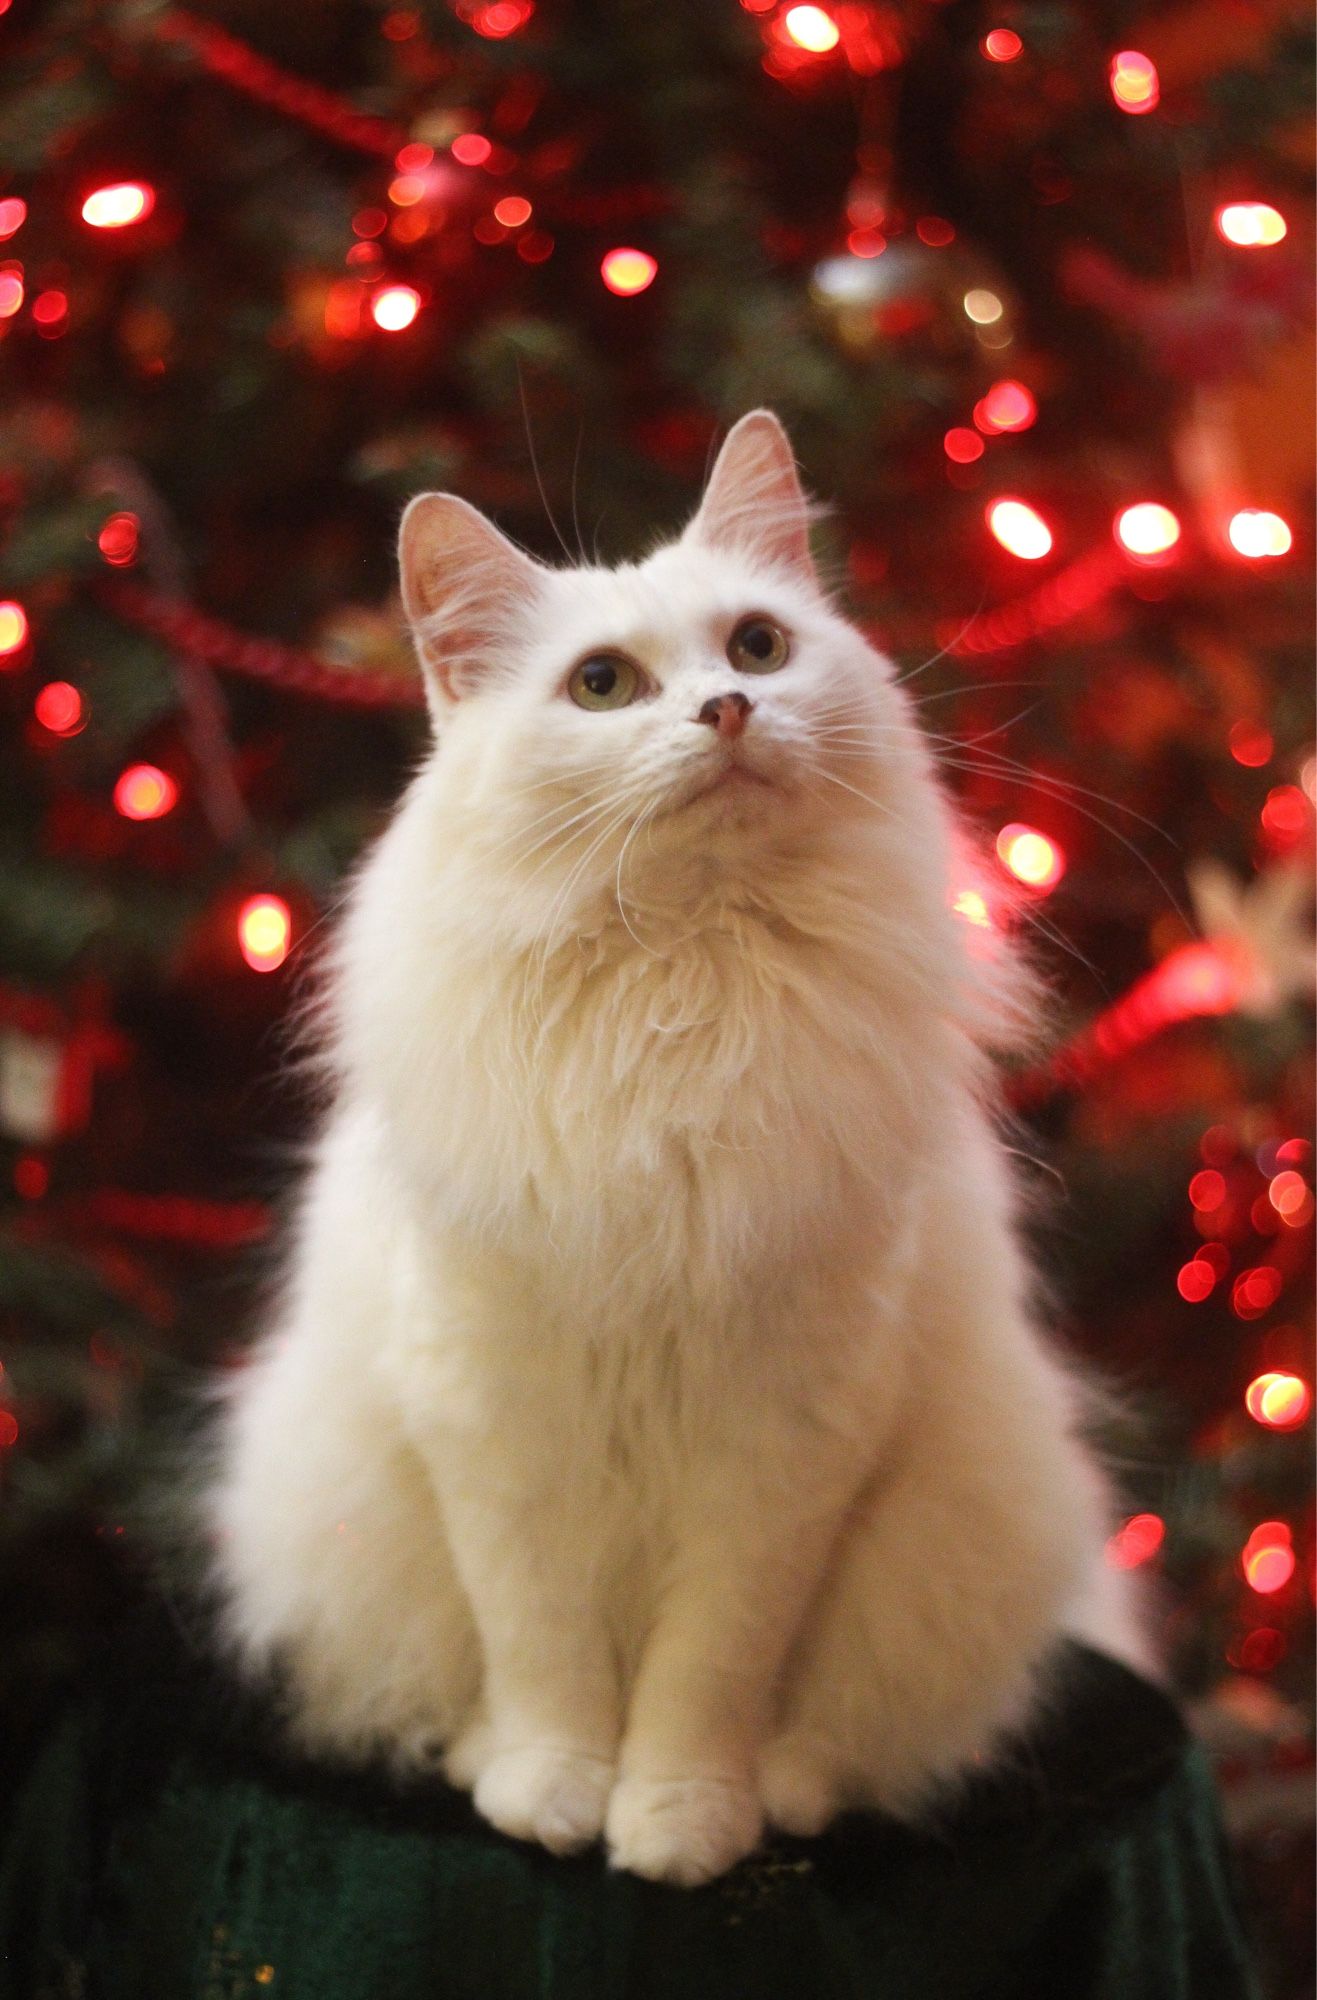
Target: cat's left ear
[
  {"x": 754, "y": 504},
  {"x": 465, "y": 589}
]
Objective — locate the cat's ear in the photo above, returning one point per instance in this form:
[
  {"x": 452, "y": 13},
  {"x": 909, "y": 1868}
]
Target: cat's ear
[
  {"x": 754, "y": 503},
  {"x": 465, "y": 587}
]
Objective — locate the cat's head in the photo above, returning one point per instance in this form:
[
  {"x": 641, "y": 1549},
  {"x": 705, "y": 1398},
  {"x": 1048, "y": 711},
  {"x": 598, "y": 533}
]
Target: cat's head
[{"x": 709, "y": 695}]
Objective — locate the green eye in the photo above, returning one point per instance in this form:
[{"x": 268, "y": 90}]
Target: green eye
[
  {"x": 605, "y": 680},
  {"x": 758, "y": 646}
]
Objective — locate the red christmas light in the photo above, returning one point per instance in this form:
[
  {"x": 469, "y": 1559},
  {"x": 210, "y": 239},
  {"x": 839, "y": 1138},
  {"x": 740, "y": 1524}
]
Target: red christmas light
[
  {"x": 265, "y": 929},
  {"x": 50, "y": 310},
  {"x": 962, "y": 446},
  {"x": 936, "y": 231},
  {"x": 119, "y": 205},
  {"x": 1251, "y": 224},
  {"x": 1251, "y": 744},
  {"x": 501, "y": 17},
  {"x": 1256, "y": 1291},
  {"x": 812, "y": 29},
  {"x": 1020, "y": 529},
  {"x": 60, "y": 709},
  {"x": 512, "y": 211},
  {"x": 118, "y": 539},
  {"x": 1135, "y": 85},
  {"x": 1268, "y": 1557},
  {"x": 8, "y": 1429},
  {"x": 1207, "y": 1190},
  {"x": 144, "y": 791},
  {"x": 1195, "y": 1280},
  {"x": 627, "y": 271},
  {"x": 1286, "y": 815},
  {"x": 13, "y": 632},
  {"x": 13, "y": 214},
  {"x": 1147, "y": 530},
  {"x": 471, "y": 149},
  {"x": 1031, "y": 857},
  {"x": 1258, "y": 534},
  {"x": 1007, "y": 406},
  {"x": 1001, "y": 45},
  {"x": 395, "y": 307},
  {"x": 11, "y": 292},
  {"x": 1136, "y": 1542},
  {"x": 1278, "y": 1400}
]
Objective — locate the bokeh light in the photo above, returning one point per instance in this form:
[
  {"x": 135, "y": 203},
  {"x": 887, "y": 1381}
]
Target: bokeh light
[
  {"x": 1278, "y": 1400},
  {"x": 982, "y": 306},
  {"x": 118, "y": 205},
  {"x": 144, "y": 791},
  {"x": 13, "y": 631},
  {"x": 811, "y": 28},
  {"x": 1020, "y": 529},
  {"x": 1251, "y": 224},
  {"x": 13, "y": 214},
  {"x": 1007, "y": 406},
  {"x": 1001, "y": 45},
  {"x": 60, "y": 709},
  {"x": 1268, "y": 1557},
  {"x": 1030, "y": 856},
  {"x": 395, "y": 307},
  {"x": 1136, "y": 1542},
  {"x": 962, "y": 446},
  {"x": 626, "y": 271},
  {"x": 1147, "y": 529},
  {"x": 1135, "y": 85},
  {"x": 265, "y": 929},
  {"x": 118, "y": 539},
  {"x": 1254, "y": 532}
]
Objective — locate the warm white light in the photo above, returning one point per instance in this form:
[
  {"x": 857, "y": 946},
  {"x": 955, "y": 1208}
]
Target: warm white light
[
  {"x": 1147, "y": 529},
  {"x": 983, "y": 306},
  {"x": 811, "y": 28},
  {"x": 395, "y": 307},
  {"x": 1251, "y": 224},
  {"x": 116, "y": 206},
  {"x": 1255, "y": 533},
  {"x": 1018, "y": 528}
]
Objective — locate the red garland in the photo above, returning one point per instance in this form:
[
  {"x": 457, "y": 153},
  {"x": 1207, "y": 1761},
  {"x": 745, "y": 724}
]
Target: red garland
[
  {"x": 224, "y": 56},
  {"x": 1067, "y": 595},
  {"x": 219, "y": 645}
]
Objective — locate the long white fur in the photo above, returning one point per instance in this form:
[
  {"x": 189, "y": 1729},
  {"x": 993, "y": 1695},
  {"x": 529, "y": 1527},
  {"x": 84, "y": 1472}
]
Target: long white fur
[{"x": 655, "y": 1425}]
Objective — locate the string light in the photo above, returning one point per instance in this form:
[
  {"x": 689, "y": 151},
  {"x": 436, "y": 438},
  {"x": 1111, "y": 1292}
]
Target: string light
[
  {"x": 811, "y": 28},
  {"x": 1256, "y": 1291},
  {"x": 936, "y": 231},
  {"x": 512, "y": 211},
  {"x": 982, "y": 306},
  {"x": 50, "y": 309},
  {"x": 1251, "y": 744},
  {"x": 1195, "y": 1280},
  {"x": 265, "y": 929},
  {"x": 144, "y": 791},
  {"x": 1007, "y": 406},
  {"x": 13, "y": 214},
  {"x": 1136, "y": 1542},
  {"x": 1147, "y": 530},
  {"x": 60, "y": 709},
  {"x": 1135, "y": 84},
  {"x": 501, "y": 17},
  {"x": 627, "y": 271},
  {"x": 1001, "y": 45},
  {"x": 1278, "y": 1400},
  {"x": 118, "y": 539},
  {"x": 471, "y": 149},
  {"x": 395, "y": 307},
  {"x": 1019, "y": 529},
  {"x": 119, "y": 205},
  {"x": 1268, "y": 1557},
  {"x": 13, "y": 632},
  {"x": 1207, "y": 1190},
  {"x": 11, "y": 292},
  {"x": 962, "y": 446},
  {"x": 1255, "y": 533},
  {"x": 1251, "y": 224},
  {"x": 1285, "y": 816},
  {"x": 1031, "y": 857}
]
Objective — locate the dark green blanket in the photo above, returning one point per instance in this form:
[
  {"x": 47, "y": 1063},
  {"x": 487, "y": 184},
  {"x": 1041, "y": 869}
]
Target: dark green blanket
[{"x": 163, "y": 1849}]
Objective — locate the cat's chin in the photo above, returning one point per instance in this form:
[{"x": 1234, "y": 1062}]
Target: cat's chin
[{"x": 734, "y": 792}]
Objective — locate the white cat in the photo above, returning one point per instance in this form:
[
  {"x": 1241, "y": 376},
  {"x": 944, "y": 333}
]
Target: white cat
[{"x": 654, "y": 1427}]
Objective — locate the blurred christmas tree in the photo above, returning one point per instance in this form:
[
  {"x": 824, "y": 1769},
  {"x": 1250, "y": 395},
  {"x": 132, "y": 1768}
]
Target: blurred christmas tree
[{"x": 1028, "y": 285}]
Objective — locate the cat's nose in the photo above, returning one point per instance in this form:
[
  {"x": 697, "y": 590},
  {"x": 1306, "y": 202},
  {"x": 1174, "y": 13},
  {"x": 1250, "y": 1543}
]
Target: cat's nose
[{"x": 726, "y": 713}]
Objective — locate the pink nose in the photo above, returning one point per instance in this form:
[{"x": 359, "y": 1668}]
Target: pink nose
[{"x": 726, "y": 713}]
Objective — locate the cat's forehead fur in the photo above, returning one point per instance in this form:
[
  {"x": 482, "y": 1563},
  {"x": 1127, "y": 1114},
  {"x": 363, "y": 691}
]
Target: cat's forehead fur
[{"x": 682, "y": 592}]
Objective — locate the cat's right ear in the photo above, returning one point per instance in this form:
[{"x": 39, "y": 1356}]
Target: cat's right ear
[{"x": 464, "y": 587}]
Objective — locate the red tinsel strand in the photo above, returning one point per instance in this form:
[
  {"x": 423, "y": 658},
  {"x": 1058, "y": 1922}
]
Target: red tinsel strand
[
  {"x": 221, "y": 645},
  {"x": 1063, "y": 597},
  {"x": 223, "y": 55},
  {"x": 172, "y": 1218}
]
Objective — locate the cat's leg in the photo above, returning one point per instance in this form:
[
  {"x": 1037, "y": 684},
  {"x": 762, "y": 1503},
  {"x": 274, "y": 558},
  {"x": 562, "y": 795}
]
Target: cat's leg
[
  {"x": 525, "y": 1508},
  {"x": 754, "y": 1530},
  {"x": 951, "y": 1584}
]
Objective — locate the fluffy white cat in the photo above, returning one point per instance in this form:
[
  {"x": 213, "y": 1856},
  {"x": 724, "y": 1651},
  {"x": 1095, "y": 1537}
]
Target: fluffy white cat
[{"x": 654, "y": 1430}]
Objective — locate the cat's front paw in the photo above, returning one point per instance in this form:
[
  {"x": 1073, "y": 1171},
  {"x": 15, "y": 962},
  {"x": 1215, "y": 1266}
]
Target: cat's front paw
[
  {"x": 798, "y": 1784},
  {"x": 682, "y": 1830},
  {"x": 547, "y": 1793}
]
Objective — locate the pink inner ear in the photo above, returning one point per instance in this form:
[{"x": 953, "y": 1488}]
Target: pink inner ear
[
  {"x": 754, "y": 503},
  {"x": 463, "y": 586}
]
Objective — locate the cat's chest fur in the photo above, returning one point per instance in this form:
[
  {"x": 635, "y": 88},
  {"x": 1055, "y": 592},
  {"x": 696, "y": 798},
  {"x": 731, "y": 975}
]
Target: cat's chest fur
[{"x": 683, "y": 1097}]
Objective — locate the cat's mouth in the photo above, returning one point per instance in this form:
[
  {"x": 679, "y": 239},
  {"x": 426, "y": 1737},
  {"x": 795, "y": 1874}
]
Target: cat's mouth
[{"x": 734, "y": 777}]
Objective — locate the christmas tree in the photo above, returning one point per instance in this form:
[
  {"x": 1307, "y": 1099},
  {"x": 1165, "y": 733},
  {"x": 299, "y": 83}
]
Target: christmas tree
[{"x": 1028, "y": 286}]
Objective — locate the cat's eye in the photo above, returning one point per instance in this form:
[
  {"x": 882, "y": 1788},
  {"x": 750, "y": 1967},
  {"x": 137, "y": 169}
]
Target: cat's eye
[
  {"x": 605, "y": 680},
  {"x": 758, "y": 646}
]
